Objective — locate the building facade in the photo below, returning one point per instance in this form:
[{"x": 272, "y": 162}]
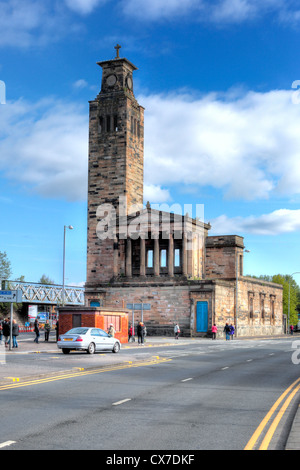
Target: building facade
[{"x": 167, "y": 262}]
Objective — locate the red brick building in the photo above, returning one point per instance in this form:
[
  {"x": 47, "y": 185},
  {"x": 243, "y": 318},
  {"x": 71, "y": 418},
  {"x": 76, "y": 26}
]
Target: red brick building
[{"x": 136, "y": 254}]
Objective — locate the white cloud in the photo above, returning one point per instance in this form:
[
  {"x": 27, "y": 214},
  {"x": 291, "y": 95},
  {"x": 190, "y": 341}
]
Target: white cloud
[
  {"x": 278, "y": 222},
  {"x": 154, "y": 193},
  {"x": 83, "y": 7},
  {"x": 43, "y": 147},
  {"x": 157, "y": 9},
  {"x": 246, "y": 146},
  {"x": 216, "y": 11},
  {"x": 81, "y": 83},
  {"x": 234, "y": 143}
]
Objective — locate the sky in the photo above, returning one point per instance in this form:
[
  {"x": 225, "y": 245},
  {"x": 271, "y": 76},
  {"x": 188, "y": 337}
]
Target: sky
[{"x": 220, "y": 84}]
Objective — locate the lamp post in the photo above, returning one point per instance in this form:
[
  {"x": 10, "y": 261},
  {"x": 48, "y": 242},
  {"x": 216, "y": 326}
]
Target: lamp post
[
  {"x": 288, "y": 328},
  {"x": 237, "y": 291},
  {"x": 64, "y": 261}
]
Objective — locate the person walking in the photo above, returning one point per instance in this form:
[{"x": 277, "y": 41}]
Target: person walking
[
  {"x": 130, "y": 334},
  {"x": 111, "y": 330},
  {"x": 227, "y": 331},
  {"x": 1, "y": 330},
  {"x": 292, "y": 329},
  {"x": 176, "y": 331},
  {"x": 47, "y": 329},
  {"x": 15, "y": 333},
  {"x": 6, "y": 331},
  {"x": 231, "y": 331},
  {"x": 141, "y": 332},
  {"x": 57, "y": 330},
  {"x": 37, "y": 331},
  {"x": 214, "y": 330}
]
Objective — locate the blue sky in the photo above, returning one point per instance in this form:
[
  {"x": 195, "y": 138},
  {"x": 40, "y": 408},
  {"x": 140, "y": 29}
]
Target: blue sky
[{"x": 218, "y": 80}]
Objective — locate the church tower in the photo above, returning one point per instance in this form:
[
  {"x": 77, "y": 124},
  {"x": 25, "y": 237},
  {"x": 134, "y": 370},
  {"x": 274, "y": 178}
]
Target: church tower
[{"x": 116, "y": 159}]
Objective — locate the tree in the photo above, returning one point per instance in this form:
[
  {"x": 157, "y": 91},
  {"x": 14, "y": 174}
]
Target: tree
[
  {"x": 46, "y": 280},
  {"x": 5, "y": 266},
  {"x": 291, "y": 296}
]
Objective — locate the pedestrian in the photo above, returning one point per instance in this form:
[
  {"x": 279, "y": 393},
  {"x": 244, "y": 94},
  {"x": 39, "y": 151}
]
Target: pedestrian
[
  {"x": 47, "y": 329},
  {"x": 176, "y": 331},
  {"x": 36, "y": 330},
  {"x": 292, "y": 329},
  {"x": 6, "y": 331},
  {"x": 141, "y": 332},
  {"x": 57, "y": 330},
  {"x": 227, "y": 331},
  {"x": 231, "y": 331},
  {"x": 130, "y": 334},
  {"x": 1, "y": 330},
  {"x": 111, "y": 330},
  {"x": 15, "y": 333},
  {"x": 214, "y": 330}
]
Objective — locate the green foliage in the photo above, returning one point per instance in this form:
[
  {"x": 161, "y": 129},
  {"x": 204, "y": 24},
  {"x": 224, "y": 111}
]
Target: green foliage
[
  {"x": 5, "y": 266},
  {"x": 46, "y": 280}
]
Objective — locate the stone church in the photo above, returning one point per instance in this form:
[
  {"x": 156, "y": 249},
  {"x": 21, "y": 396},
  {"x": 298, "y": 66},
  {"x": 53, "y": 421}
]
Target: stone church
[{"x": 163, "y": 267}]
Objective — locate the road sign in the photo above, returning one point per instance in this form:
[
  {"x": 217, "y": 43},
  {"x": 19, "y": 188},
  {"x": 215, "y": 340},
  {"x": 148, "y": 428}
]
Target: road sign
[
  {"x": 11, "y": 296},
  {"x": 138, "y": 306}
]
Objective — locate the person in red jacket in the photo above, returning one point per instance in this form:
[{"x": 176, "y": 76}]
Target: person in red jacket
[{"x": 214, "y": 330}]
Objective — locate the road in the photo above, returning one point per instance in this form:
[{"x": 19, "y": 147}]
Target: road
[{"x": 206, "y": 395}]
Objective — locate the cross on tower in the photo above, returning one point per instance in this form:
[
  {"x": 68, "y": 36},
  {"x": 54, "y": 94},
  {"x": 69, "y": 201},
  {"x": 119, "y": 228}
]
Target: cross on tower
[{"x": 118, "y": 47}]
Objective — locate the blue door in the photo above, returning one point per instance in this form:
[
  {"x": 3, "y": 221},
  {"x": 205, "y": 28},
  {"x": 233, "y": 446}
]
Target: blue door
[{"x": 202, "y": 317}]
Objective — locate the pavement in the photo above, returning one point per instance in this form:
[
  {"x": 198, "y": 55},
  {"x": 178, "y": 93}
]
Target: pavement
[{"x": 21, "y": 371}]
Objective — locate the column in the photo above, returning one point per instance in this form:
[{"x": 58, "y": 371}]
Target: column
[
  {"x": 142, "y": 257},
  {"x": 128, "y": 257},
  {"x": 116, "y": 257},
  {"x": 184, "y": 255},
  {"x": 156, "y": 257},
  {"x": 171, "y": 256}
]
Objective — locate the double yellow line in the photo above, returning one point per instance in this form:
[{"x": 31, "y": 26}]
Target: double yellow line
[
  {"x": 72, "y": 374},
  {"x": 286, "y": 398}
]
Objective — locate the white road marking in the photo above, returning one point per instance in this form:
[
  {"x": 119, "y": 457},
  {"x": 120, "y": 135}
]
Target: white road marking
[
  {"x": 186, "y": 380},
  {"x": 6, "y": 444},
  {"x": 122, "y": 401},
  {"x": 223, "y": 368}
]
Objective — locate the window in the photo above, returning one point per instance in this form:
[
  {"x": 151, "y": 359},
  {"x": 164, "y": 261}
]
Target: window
[
  {"x": 107, "y": 123},
  {"x": 177, "y": 263},
  {"x": 114, "y": 319},
  {"x": 115, "y": 123},
  {"x": 262, "y": 307},
  {"x": 150, "y": 259},
  {"x": 101, "y": 124},
  {"x": 250, "y": 306},
  {"x": 163, "y": 258}
]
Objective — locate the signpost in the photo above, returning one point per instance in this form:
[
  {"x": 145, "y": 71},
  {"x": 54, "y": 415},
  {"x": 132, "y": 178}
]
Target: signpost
[
  {"x": 11, "y": 296},
  {"x": 134, "y": 307}
]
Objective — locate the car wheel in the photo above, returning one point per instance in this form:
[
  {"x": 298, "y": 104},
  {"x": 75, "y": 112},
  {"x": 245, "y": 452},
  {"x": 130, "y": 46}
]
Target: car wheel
[
  {"x": 116, "y": 347},
  {"x": 91, "y": 348},
  {"x": 66, "y": 351}
]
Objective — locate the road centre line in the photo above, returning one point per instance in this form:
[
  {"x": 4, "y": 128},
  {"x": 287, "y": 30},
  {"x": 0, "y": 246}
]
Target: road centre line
[
  {"x": 73, "y": 374},
  {"x": 258, "y": 432},
  {"x": 6, "y": 444},
  {"x": 186, "y": 380},
  {"x": 121, "y": 401}
]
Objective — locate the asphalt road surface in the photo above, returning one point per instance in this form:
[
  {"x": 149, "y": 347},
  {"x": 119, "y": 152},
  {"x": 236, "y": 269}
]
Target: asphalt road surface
[{"x": 207, "y": 396}]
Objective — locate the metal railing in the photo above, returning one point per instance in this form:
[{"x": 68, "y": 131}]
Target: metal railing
[{"x": 33, "y": 292}]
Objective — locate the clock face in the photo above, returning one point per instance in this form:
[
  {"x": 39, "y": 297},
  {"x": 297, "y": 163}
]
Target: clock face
[
  {"x": 129, "y": 82},
  {"x": 111, "y": 80}
]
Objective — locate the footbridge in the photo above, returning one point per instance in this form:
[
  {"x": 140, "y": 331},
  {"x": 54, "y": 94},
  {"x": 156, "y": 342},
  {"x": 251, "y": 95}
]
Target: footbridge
[{"x": 35, "y": 293}]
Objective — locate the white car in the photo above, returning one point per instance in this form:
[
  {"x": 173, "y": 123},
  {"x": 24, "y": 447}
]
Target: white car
[{"x": 89, "y": 340}]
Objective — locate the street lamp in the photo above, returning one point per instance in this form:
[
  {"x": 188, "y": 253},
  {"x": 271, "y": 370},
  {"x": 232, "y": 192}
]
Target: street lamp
[
  {"x": 236, "y": 290},
  {"x": 64, "y": 261},
  {"x": 290, "y": 301}
]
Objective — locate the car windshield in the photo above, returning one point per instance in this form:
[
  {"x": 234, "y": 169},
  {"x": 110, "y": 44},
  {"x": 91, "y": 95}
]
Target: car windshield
[{"x": 77, "y": 331}]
